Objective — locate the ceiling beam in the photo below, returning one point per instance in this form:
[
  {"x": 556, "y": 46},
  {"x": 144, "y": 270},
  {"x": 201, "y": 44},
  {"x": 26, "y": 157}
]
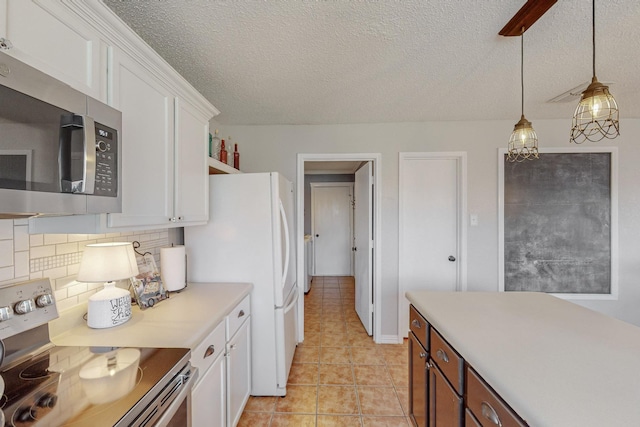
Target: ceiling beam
[{"x": 526, "y": 17}]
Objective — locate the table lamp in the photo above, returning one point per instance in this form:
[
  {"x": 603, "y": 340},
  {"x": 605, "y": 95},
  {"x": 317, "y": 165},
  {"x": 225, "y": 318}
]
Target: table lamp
[{"x": 108, "y": 262}]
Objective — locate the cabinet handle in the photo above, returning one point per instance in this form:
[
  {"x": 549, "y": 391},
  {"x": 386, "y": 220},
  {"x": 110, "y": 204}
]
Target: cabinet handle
[
  {"x": 416, "y": 323},
  {"x": 423, "y": 355},
  {"x": 442, "y": 355},
  {"x": 241, "y": 313},
  {"x": 232, "y": 347},
  {"x": 209, "y": 351},
  {"x": 489, "y": 413}
]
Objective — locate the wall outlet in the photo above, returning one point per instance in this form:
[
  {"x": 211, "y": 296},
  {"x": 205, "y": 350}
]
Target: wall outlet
[{"x": 473, "y": 220}]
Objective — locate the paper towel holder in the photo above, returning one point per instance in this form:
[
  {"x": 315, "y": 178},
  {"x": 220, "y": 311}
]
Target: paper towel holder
[{"x": 175, "y": 257}]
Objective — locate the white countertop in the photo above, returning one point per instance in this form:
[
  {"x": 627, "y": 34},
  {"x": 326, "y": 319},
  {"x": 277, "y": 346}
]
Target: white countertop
[
  {"x": 556, "y": 363},
  {"x": 183, "y": 320}
]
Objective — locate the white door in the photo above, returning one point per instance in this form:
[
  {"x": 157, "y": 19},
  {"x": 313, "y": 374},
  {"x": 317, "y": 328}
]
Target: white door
[
  {"x": 429, "y": 220},
  {"x": 331, "y": 225},
  {"x": 363, "y": 238},
  {"x": 192, "y": 170},
  {"x": 209, "y": 396},
  {"x": 147, "y": 107},
  {"x": 286, "y": 333},
  {"x": 238, "y": 373}
]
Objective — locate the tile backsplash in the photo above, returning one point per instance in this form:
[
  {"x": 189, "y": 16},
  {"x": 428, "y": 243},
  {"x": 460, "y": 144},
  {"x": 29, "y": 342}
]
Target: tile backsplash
[{"x": 25, "y": 256}]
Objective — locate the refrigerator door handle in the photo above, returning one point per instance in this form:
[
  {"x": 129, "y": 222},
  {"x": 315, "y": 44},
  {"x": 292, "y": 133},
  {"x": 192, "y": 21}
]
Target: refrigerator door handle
[
  {"x": 294, "y": 300},
  {"x": 285, "y": 271}
]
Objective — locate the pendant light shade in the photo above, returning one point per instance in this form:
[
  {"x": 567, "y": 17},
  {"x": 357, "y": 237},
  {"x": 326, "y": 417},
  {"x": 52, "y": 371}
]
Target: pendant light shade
[
  {"x": 596, "y": 116},
  {"x": 523, "y": 143}
]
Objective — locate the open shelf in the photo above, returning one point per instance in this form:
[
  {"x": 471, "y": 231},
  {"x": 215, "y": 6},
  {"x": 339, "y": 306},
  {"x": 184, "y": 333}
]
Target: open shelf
[{"x": 217, "y": 167}]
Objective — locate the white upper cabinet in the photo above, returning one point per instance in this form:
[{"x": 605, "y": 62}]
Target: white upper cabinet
[
  {"x": 147, "y": 107},
  {"x": 49, "y": 36},
  {"x": 165, "y": 121},
  {"x": 191, "y": 153}
]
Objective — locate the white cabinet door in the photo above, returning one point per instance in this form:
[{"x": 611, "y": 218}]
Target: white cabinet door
[
  {"x": 208, "y": 397},
  {"x": 192, "y": 169},
  {"x": 49, "y": 37},
  {"x": 238, "y": 373},
  {"x": 147, "y": 107}
]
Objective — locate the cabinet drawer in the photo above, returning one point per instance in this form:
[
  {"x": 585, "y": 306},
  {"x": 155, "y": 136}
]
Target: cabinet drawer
[
  {"x": 487, "y": 406},
  {"x": 209, "y": 349},
  {"x": 470, "y": 420},
  {"x": 236, "y": 318},
  {"x": 449, "y": 362},
  {"x": 419, "y": 326}
]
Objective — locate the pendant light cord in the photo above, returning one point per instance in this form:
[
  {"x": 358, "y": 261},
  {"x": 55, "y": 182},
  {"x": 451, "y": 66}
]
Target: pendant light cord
[
  {"x": 593, "y": 32},
  {"x": 522, "y": 70}
]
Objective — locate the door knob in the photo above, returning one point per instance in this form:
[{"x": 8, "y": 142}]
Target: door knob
[{"x": 452, "y": 258}]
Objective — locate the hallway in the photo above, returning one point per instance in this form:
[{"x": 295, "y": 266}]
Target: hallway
[{"x": 339, "y": 376}]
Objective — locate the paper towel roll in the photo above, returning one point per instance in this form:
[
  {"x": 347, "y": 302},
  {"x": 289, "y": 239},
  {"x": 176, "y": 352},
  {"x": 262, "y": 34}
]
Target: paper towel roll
[{"x": 173, "y": 267}]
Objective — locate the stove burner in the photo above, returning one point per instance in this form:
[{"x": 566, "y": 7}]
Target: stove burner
[{"x": 36, "y": 371}]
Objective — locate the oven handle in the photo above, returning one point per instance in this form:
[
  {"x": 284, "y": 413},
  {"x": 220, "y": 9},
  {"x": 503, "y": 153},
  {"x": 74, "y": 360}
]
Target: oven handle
[{"x": 184, "y": 393}]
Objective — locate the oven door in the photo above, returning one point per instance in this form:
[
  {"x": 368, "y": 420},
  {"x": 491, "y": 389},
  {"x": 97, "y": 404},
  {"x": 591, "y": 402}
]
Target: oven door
[
  {"x": 172, "y": 407},
  {"x": 178, "y": 412}
]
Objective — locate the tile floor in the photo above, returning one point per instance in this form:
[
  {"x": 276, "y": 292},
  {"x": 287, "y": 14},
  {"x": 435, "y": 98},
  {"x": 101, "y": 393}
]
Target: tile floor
[{"x": 339, "y": 376}]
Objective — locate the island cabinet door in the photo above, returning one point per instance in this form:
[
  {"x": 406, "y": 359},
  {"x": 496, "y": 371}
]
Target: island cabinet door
[
  {"x": 445, "y": 405},
  {"x": 417, "y": 382}
]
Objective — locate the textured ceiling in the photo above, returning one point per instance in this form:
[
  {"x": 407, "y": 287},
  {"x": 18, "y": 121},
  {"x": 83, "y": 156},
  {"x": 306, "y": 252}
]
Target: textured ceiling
[{"x": 339, "y": 61}]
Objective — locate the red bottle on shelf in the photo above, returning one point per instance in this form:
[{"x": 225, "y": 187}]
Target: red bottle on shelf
[
  {"x": 236, "y": 157},
  {"x": 223, "y": 152}
]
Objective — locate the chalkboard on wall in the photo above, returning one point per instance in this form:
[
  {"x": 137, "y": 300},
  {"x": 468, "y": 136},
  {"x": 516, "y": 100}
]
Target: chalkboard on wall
[{"x": 558, "y": 223}]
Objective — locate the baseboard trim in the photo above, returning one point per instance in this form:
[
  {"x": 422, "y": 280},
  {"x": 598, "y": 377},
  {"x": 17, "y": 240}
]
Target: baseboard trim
[{"x": 389, "y": 339}]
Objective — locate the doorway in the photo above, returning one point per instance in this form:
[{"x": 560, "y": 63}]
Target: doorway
[
  {"x": 432, "y": 230},
  {"x": 331, "y": 160}
]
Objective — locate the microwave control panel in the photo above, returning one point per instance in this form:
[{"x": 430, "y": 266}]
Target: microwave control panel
[{"x": 106, "y": 161}]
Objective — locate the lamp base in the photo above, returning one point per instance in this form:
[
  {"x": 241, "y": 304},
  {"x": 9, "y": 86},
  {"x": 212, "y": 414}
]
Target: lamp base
[{"x": 109, "y": 307}]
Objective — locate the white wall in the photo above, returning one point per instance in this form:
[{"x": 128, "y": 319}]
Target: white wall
[{"x": 274, "y": 148}]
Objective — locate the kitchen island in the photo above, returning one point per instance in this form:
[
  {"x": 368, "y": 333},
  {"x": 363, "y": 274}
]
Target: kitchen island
[{"x": 555, "y": 363}]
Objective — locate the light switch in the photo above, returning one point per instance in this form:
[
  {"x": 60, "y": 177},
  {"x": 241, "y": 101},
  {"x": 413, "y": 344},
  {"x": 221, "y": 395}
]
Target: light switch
[{"x": 473, "y": 220}]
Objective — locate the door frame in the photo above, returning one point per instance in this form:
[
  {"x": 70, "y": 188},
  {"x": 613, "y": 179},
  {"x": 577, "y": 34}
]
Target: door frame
[
  {"x": 461, "y": 165},
  {"x": 315, "y": 185},
  {"x": 376, "y": 159}
]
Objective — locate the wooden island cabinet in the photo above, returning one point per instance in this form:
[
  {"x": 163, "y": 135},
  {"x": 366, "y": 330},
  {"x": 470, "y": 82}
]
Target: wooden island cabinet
[{"x": 515, "y": 359}]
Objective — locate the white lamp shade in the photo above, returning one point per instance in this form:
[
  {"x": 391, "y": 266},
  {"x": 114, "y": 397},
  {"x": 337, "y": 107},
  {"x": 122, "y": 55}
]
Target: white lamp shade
[{"x": 105, "y": 262}]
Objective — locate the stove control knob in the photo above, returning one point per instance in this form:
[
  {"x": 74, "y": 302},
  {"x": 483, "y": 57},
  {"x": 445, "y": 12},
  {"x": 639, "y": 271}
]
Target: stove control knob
[
  {"x": 23, "y": 415},
  {"x": 44, "y": 300},
  {"x": 6, "y": 313},
  {"x": 47, "y": 400},
  {"x": 24, "y": 306}
]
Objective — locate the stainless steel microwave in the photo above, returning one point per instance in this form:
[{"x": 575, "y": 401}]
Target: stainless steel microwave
[{"x": 60, "y": 150}]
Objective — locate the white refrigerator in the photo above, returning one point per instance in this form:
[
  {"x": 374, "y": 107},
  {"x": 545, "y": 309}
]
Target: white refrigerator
[{"x": 250, "y": 238}]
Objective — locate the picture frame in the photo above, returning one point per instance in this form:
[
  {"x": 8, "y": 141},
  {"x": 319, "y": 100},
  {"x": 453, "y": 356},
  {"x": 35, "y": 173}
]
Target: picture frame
[
  {"x": 558, "y": 223},
  {"x": 147, "y": 287}
]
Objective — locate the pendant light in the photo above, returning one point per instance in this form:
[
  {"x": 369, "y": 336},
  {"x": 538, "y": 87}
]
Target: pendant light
[
  {"x": 523, "y": 144},
  {"x": 596, "y": 115}
]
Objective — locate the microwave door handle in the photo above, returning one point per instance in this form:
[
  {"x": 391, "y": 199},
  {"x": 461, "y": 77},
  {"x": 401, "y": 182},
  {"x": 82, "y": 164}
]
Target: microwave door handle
[
  {"x": 89, "y": 158},
  {"x": 68, "y": 182}
]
